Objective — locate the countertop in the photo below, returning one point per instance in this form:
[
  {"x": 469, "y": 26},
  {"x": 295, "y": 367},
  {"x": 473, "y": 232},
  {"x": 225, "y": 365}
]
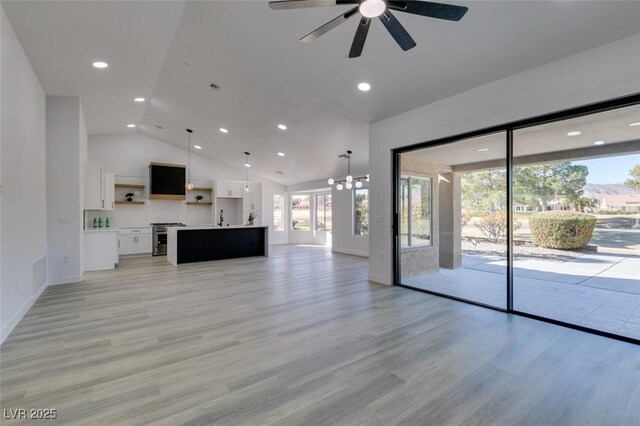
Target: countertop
[
  {"x": 215, "y": 227},
  {"x": 101, "y": 230}
]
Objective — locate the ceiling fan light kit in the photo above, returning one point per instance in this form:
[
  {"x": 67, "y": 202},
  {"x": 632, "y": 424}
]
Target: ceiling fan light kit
[{"x": 369, "y": 9}]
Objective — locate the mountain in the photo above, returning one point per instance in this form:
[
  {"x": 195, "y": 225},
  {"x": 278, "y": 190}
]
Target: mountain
[{"x": 598, "y": 190}]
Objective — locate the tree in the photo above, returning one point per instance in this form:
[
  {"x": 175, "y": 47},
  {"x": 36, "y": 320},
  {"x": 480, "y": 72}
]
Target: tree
[
  {"x": 541, "y": 183},
  {"x": 484, "y": 191},
  {"x": 634, "y": 173}
]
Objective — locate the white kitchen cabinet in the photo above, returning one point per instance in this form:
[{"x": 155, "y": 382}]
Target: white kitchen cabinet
[
  {"x": 229, "y": 189},
  {"x": 135, "y": 241},
  {"x": 99, "y": 188},
  {"x": 109, "y": 191},
  {"x": 100, "y": 249}
]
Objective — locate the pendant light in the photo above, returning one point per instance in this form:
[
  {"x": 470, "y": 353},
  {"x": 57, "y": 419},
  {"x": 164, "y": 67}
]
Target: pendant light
[
  {"x": 348, "y": 181},
  {"x": 246, "y": 171},
  {"x": 189, "y": 184}
]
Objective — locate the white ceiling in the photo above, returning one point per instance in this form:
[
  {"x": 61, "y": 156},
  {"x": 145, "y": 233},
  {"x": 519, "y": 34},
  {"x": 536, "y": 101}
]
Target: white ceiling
[
  {"x": 169, "y": 52},
  {"x": 612, "y": 127}
]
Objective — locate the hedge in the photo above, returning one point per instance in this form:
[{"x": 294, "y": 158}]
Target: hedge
[{"x": 561, "y": 230}]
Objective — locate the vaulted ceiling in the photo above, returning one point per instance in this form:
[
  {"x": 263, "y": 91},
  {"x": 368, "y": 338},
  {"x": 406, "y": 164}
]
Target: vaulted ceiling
[{"x": 170, "y": 53}]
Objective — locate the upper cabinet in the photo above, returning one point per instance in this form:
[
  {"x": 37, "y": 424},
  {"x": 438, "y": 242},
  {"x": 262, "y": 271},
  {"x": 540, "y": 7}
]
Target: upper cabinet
[
  {"x": 229, "y": 189},
  {"x": 99, "y": 188}
]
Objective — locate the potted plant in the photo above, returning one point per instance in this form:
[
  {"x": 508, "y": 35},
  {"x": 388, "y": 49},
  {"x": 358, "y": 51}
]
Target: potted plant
[
  {"x": 199, "y": 198},
  {"x": 251, "y": 219},
  {"x": 129, "y": 196}
]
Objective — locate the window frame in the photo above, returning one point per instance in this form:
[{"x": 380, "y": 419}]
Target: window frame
[
  {"x": 315, "y": 220},
  {"x": 282, "y": 215},
  {"x": 409, "y": 178},
  {"x": 291, "y": 226},
  {"x": 353, "y": 211}
]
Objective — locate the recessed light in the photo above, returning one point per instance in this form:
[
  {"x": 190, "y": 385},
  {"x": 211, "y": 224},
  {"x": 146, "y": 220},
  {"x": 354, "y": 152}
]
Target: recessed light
[
  {"x": 139, "y": 99},
  {"x": 365, "y": 87},
  {"x": 598, "y": 143},
  {"x": 637, "y": 123},
  {"x": 100, "y": 64},
  {"x": 281, "y": 154},
  {"x": 197, "y": 147},
  {"x": 223, "y": 130},
  {"x": 247, "y": 165},
  {"x": 574, "y": 133},
  {"x": 282, "y": 127},
  {"x": 131, "y": 126},
  {"x": 483, "y": 150}
]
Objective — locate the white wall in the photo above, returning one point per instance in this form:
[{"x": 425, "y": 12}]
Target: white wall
[
  {"x": 22, "y": 178},
  {"x": 66, "y": 138},
  {"x": 606, "y": 72},
  {"x": 128, "y": 156}
]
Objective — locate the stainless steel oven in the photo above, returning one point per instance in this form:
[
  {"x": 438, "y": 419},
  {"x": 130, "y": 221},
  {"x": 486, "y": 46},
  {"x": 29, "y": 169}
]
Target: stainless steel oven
[{"x": 160, "y": 237}]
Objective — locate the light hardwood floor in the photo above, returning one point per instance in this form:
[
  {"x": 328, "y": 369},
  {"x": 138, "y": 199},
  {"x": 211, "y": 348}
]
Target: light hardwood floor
[{"x": 301, "y": 338}]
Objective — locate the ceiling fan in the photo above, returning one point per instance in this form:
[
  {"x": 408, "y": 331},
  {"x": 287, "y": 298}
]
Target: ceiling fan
[{"x": 370, "y": 9}]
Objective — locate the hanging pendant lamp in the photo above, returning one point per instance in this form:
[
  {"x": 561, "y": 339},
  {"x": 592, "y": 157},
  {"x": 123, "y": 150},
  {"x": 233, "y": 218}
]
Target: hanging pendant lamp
[{"x": 189, "y": 184}]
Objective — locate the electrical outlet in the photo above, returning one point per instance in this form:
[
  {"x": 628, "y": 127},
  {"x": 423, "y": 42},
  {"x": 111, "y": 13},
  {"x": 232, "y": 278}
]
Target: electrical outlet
[{"x": 66, "y": 259}]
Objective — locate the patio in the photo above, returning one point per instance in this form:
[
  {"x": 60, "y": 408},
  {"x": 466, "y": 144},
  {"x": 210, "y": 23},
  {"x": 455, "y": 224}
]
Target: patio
[{"x": 600, "y": 291}]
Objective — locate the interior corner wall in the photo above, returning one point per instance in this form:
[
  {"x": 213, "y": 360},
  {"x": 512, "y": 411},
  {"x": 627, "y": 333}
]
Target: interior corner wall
[
  {"x": 64, "y": 195},
  {"x": 606, "y": 72},
  {"x": 23, "y": 206}
]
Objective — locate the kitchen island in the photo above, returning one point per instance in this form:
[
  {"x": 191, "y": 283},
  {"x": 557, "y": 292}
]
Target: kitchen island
[{"x": 202, "y": 243}]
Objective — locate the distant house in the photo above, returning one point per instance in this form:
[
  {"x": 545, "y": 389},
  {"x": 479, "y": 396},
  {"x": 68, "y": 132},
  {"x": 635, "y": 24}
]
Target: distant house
[{"x": 623, "y": 203}]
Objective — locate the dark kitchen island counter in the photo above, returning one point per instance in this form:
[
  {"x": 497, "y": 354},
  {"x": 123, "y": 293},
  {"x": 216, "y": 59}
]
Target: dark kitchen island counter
[{"x": 202, "y": 243}]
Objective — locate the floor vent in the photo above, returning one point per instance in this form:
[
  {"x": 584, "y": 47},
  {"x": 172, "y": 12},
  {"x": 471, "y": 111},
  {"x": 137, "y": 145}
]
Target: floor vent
[{"x": 39, "y": 273}]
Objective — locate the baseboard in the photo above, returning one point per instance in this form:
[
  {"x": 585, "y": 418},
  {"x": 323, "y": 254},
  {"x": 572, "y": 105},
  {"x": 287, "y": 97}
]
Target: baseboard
[
  {"x": 348, "y": 251},
  {"x": 7, "y": 329},
  {"x": 380, "y": 279},
  {"x": 65, "y": 280}
]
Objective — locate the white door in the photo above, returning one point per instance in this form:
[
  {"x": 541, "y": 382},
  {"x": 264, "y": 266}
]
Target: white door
[
  {"x": 109, "y": 191},
  {"x": 92, "y": 186},
  {"x": 144, "y": 243},
  {"x": 127, "y": 244}
]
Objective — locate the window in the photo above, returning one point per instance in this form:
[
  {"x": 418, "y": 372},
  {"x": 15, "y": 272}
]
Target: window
[
  {"x": 415, "y": 211},
  {"x": 323, "y": 212},
  {"x": 278, "y": 218},
  {"x": 300, "y": 213},
  {"x": 361, "y": 212}
]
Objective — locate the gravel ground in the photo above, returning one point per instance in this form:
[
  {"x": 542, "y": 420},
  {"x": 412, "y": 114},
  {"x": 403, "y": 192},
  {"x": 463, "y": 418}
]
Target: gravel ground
[{"x": 522, "y": 250}]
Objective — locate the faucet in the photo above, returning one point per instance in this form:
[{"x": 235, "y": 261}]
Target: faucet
[{"x": 220, "y": 223}]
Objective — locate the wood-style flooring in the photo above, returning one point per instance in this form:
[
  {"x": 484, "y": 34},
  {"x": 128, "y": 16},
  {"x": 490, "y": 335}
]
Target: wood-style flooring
[{"x": 300, "y": 338}]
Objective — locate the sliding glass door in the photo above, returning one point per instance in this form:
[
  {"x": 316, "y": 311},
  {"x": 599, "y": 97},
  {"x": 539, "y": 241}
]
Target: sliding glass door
[
  {"x": 452, "y": 219},
  {"x": 541, "y": 218},
  {"x": 576, "y": 188}
]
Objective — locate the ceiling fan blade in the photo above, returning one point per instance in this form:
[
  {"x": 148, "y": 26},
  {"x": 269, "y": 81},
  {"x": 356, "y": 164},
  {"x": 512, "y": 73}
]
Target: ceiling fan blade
[
  {"x": 397, "y": 31},
  {"x": 433, "y": 10},
  {"x": 329, "y": 26},
  {"x": 360, "y": 37},
  {"x": 299, "y": 4}
]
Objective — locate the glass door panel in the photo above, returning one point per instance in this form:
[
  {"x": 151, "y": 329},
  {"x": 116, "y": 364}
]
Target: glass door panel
[{"x": 453, "y": 219}]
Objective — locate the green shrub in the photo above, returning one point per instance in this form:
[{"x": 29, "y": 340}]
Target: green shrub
[
  {"x": 494, "y": 226},
  {"x": 465, "y": 217},
  {"x": 562, "y": 230}
]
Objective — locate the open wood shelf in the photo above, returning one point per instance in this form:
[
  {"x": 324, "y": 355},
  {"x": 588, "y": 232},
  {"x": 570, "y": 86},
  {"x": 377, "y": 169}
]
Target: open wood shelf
[
  {"x": 129, "y": 185},
  {"x": 201, "y": 203},
  {"x": 201, "y": 189},
  {"x": 130, "y": 202}
]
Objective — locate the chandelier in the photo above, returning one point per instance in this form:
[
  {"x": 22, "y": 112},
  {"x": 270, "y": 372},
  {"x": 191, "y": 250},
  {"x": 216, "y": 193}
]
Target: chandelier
[{"x": 348, "y": 181}]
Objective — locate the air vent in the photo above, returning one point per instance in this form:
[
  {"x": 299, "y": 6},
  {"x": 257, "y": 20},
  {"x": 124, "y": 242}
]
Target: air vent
[
  {"x": 215, "y": 86},
  {"x": 279, "y": 172},
  {"x": 157, "y": 126}
]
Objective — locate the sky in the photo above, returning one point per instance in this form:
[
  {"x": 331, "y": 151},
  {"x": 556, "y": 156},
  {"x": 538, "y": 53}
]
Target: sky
[{"x": 611, "y": 169}]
